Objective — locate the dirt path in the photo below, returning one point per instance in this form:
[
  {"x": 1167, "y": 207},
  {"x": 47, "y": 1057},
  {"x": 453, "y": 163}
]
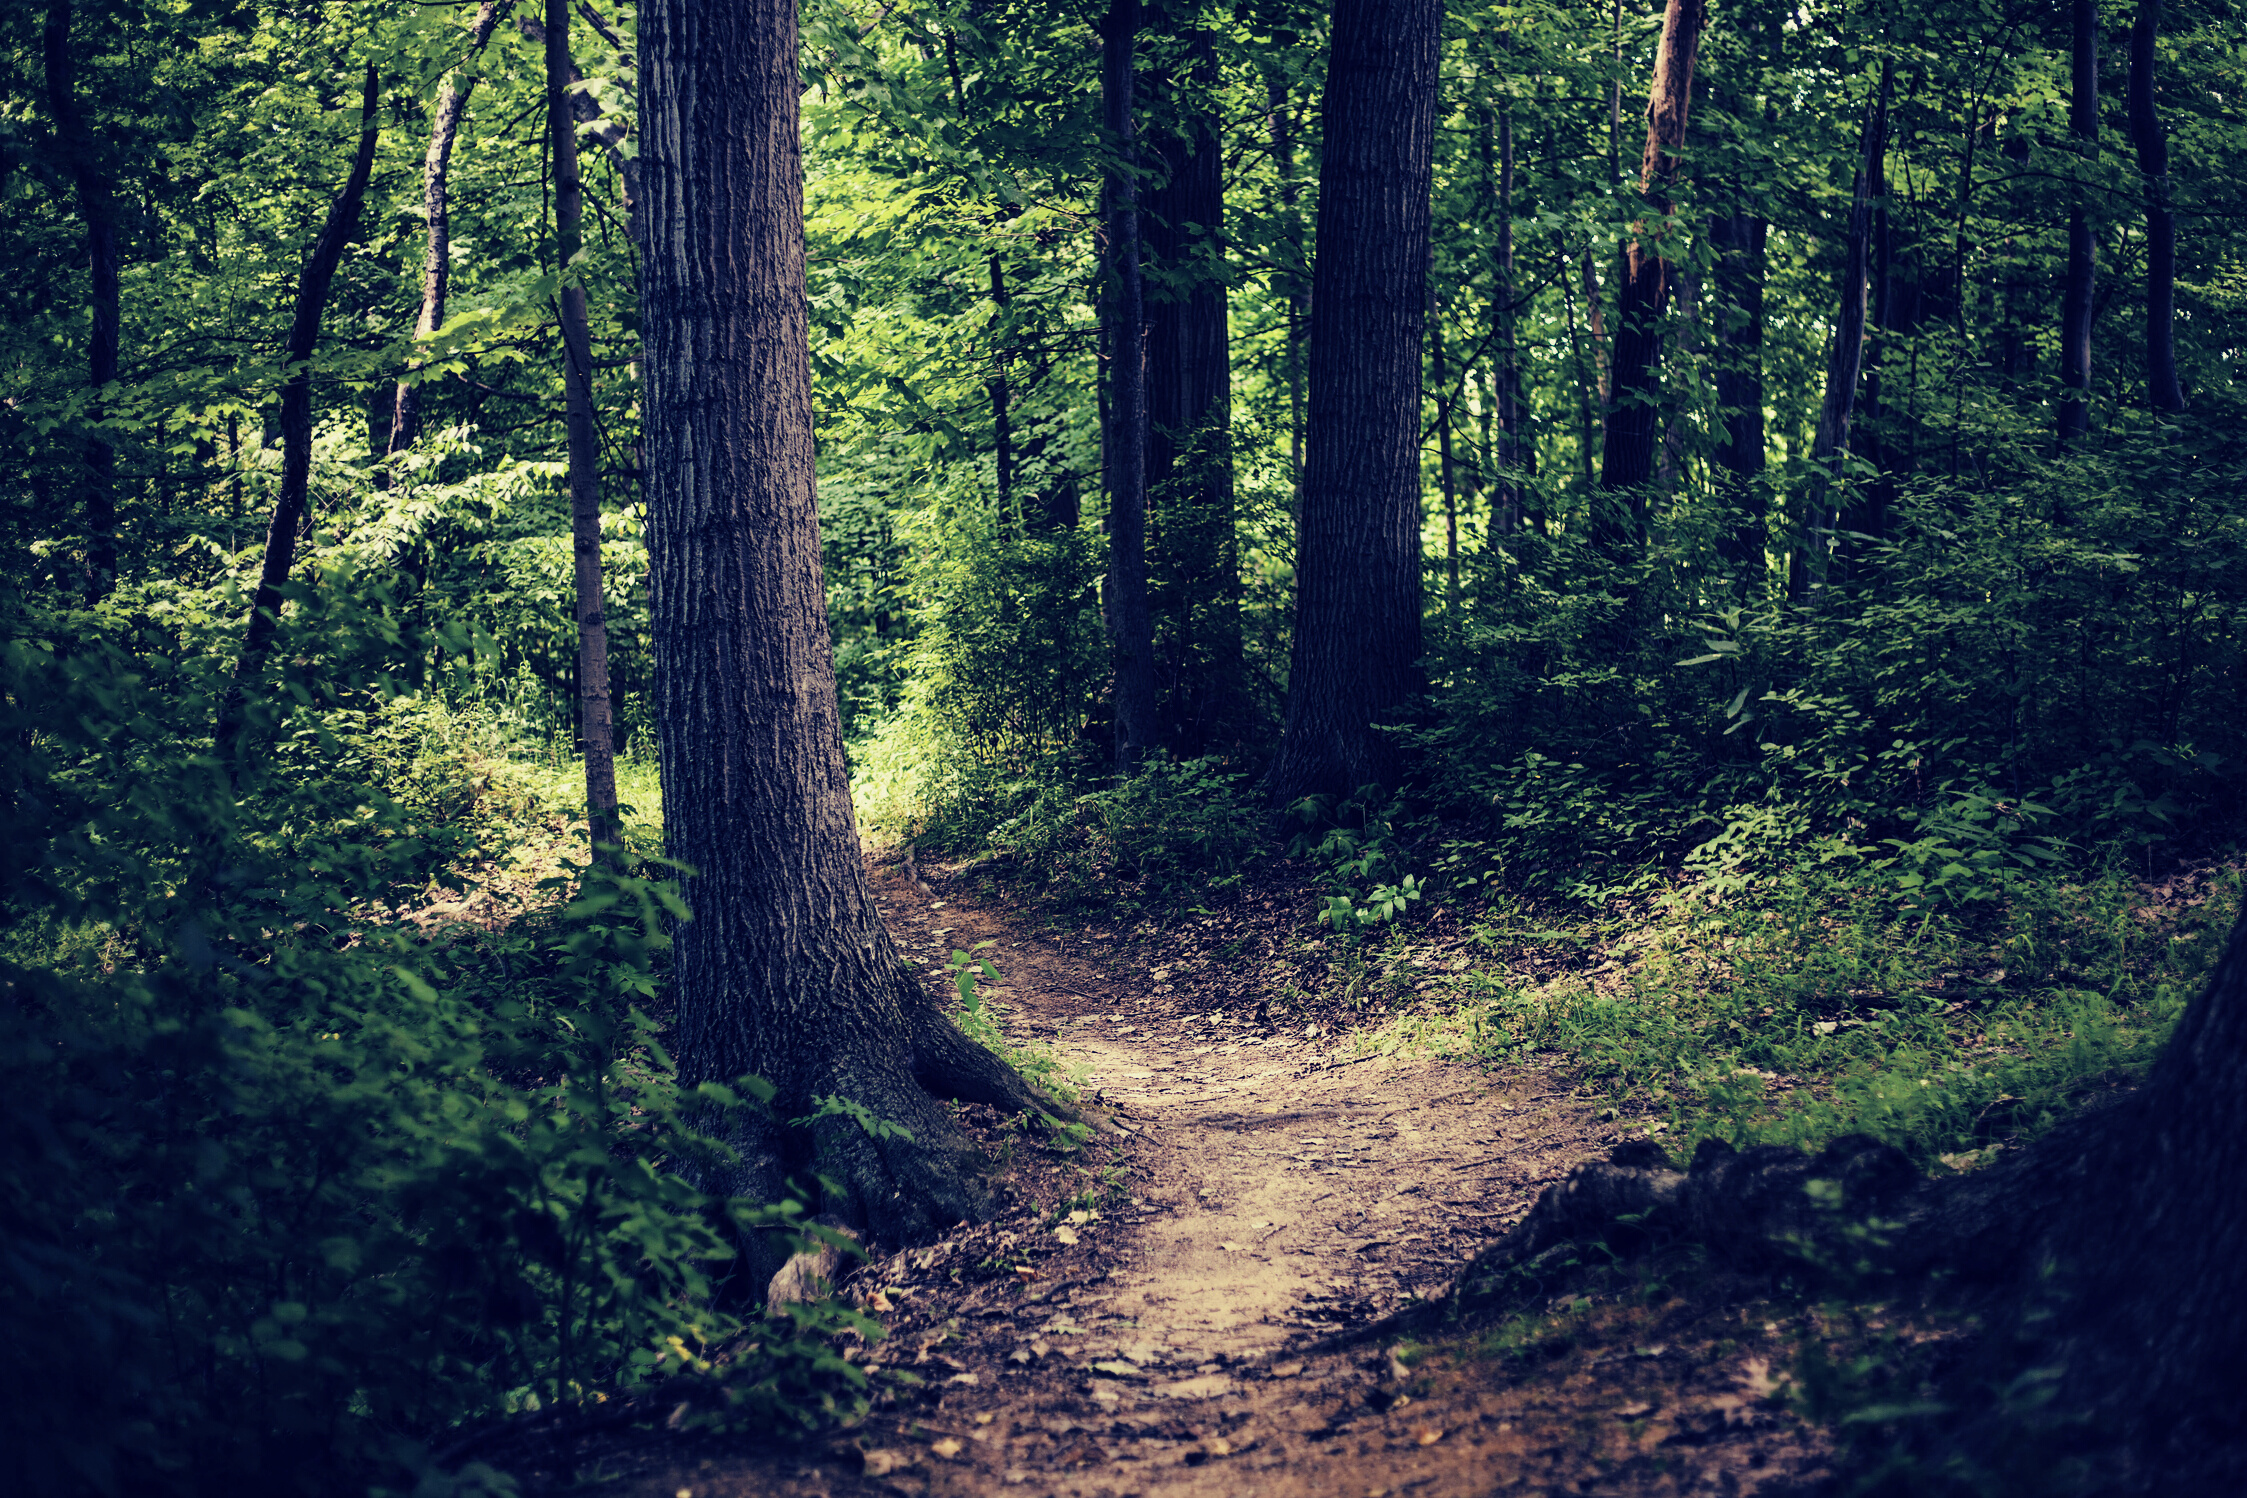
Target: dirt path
[{"x": 1146, "y": 1319}]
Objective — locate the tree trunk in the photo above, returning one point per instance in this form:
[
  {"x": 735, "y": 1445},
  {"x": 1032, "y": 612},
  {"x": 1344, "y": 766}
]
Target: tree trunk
[
  {"x": 1634, "y": 419},
  {"x": 1845, "y": 362},
  {"x": 291, "y": 507},
  {"x": 97, "y": 205},
  {"x": 785, "y": 970},
  {"x": 2163, "y": 391},
  {"x": 596, "y": 726},
  {"x": 1357, "y": 604},
  {"x": 2078, "y": 300},
  {"x": 1130, "y": 623},
  {"x": 436, "y": 201},
  {"x": 1739, "y": 241},
  {"x": 1189, "y": 426}
]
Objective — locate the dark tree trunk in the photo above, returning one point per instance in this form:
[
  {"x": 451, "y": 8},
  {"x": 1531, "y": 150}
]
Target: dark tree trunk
[
  {"x": 2163, "y": 392},
  {"x": 97, "y": 205},
  {"x": 785, "y": 970},
  {"x": 596, "y": 724},
  {"x": 1355, "y": 660},
  {"x": 2078, "y": 302},
  {"x": 1196, "y": 606},
  {"x": 1845, "y": 362},
  {"x": 291, "y": 508},
  {"x": 1587, "y": 418},
  {"x": 1131, "y": 631},
  {"x": 436, "y": 200},
  {"x": 1634, "y": 421},
  {"x": 1739, "y": 241}
]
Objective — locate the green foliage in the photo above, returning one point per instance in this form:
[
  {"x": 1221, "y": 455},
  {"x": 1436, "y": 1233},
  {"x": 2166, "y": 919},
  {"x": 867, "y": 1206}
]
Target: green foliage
[
  {"x": 288, "y": 1186},
  {"x": 1176, "y": 827}
]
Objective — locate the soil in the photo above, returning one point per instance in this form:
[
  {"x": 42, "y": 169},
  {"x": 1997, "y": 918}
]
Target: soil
[{"x": 1201, "y": 1300}]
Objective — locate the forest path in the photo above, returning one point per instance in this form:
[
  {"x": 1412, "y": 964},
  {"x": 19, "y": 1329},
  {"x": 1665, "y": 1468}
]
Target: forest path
[{"x": 1261, "y": 1195}]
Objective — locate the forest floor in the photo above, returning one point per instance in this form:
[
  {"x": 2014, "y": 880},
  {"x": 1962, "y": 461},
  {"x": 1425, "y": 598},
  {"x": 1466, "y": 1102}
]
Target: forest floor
[{"x": 1199, "y": 1300}]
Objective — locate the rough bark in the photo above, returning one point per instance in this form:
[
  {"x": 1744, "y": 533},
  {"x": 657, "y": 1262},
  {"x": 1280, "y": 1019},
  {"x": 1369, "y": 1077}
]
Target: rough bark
[
  {"x": 290, "y": 509},
  {"x": 1131, "y": 630},
  {"x": 97, "y": 206},
  {"x": 1196, "y": 573},
  {"x": 785, "y": 970},
  {"x": 2115, "y": 1240},
  {"x": 2078, "y": 298},
  {"x": 596, "y": 726},
  {"x": 1634, "y": 421},
  {"x": 1845, "y": 360},
  {"x": 436, "y": 201},
  {"x": 2163, "y": 390},
  {"x": 1739, "y": 239},
  {"x": 1357, "y": 611}
]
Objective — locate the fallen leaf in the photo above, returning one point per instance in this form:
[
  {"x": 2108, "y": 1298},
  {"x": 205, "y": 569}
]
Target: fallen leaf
[
  {"x": 1286, "y": 1370},
  {"x": 1218, "y": 1446},
  {"x": 879, "y": 1302},
  {"x": 880, "y": 1462},
  {"x": 1025, "y": 1273},
  {"x": 1232, "y": 1248},
  {"x": 1755, "y": 1377},
  {"x": 1118, "y": 1368},
  {"x": 1080, "y": 1217},
  {"x": 1427, "y": 1435},
  {"x": 964, "y": 1380},
  {"x": 1065, "y": 1235},
  {"x": 1633, "y": 1411},
  {"x": 946, "y": 1447},
  {"x": 985, "y": 1418}
]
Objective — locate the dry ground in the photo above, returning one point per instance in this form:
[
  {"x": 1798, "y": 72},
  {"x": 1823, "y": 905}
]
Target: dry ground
[{"x": 1194, "y": 1304}]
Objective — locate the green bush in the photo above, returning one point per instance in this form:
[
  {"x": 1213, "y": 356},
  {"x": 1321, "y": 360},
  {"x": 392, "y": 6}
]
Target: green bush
[
  {"x": 287, "y": 1191},
  {"x": 1177, "y": 827}
]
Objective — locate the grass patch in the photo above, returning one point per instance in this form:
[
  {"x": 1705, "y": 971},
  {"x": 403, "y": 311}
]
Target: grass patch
[{"x": 1812, "y": 1007}]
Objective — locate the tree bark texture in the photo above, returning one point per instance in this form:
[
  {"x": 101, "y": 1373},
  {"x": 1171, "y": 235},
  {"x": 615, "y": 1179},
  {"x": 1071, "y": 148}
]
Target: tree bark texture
[
  {"x": 97, "y": 206},
  {"x": 290, "y": 506},
  {"x": 2078, "y": 299},
  {"x": 785, "y": 970},
  {"x": 1357, "y": 613},
  {"x": 436, "y": 201},
  {"x": 596, "y": 726},
  {"x": 1739, "y": 239},
  {"x": 1131, "y": 630},
  {"x": 1634, "y": 420},
  {"x": 1845, "y": 361},
  {"x": 1196, "y": 573},
  {"x": 2163, "y": 390}
]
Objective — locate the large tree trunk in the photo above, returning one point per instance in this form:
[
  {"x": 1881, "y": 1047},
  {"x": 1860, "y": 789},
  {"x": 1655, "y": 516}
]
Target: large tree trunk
[
  {"x": 97, "y": 205},
  {"x": 1634, "y": 421},
  {"x": 1189, "y": 426},
  {"x": 2163, "y": 391},
  {"x": 1738, "y": 315},
  {"x": 785, "y": 970},
  {"x": 296, "y": 432},
  {"x": 436, "y": 201},
  {"x": 1845, "y": 361},
  {"x": 1357, "y": 601},
  {"x": 596, "y": 726},
  {"x": 1131, "y": 630},
  {"x": 2078, "y": 302}
]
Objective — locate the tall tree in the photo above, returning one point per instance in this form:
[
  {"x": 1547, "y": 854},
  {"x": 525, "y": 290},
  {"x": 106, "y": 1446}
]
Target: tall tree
[
  {"x": 436, "y": 202},
  {"x": 1634, "y": 423},
  {"x": 1355, "y": 657},
  {"x": 1845, "y": 359},
  {"x": 785, "y": 970},
  {"x": 1196, "y": 572},
  {"x": 1131, "y": 630},
  {"x": 2079, "y": 299},
  {"x": 2163, "y": 391},
  {"x": 596, "y": 726},
  {"x": 97, "y": 206},
  {"x": 290, "y": 506}
]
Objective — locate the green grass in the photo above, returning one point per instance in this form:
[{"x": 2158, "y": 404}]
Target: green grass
[{"x": 1809, "y": 1007}]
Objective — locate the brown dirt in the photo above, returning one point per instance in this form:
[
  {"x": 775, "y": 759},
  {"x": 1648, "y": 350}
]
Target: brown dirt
[{"x": 1262, "y": 1205}]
